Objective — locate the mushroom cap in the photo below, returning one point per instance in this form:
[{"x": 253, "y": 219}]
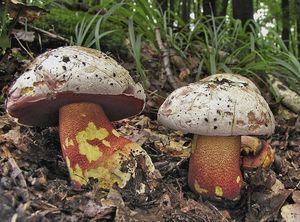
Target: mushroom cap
[
  {"x": 219, "y": 105},
  {"x": 68, "y": 75}
]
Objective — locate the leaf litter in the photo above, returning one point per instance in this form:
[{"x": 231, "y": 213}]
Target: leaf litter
[{"x": 35, "y": 184}]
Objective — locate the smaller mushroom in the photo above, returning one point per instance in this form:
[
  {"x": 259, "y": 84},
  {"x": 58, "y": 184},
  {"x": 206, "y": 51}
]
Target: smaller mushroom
[
  {"x": 218, "y": 110},
  {"x": 257, "y": 153},
  {"x": 82, "y": 90}
]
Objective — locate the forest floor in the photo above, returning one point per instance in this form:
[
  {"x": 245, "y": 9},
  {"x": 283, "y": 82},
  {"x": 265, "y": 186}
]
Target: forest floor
[{"x": 35, "y": 184}]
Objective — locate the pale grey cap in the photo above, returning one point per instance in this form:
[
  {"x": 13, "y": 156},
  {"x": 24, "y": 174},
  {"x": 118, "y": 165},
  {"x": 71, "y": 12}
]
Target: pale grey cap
[
  {"x": 73, "y": 74},
  {"x": 219, "y": 105}
]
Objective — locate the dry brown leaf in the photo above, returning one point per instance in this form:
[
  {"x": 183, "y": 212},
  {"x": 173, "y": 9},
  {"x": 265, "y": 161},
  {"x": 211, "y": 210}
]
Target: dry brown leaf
[
  {"x": 29, "y": 12},
  {"x": 277, "y": 186},
  {"x": 291, "y": 212},
  {"x": 184, "y": 74},
  {"x": 23, "y": 35},
  {"x": 296, "y": 196},
  {"x": 114, "y": 199},
  {"x": 15, "y": 137},
  {"x": 95, "y": 211},
  {"x": 269, "y": 205}
]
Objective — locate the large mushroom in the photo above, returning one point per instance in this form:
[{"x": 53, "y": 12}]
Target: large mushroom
[
  {"x": 218, "y": 110},
  {"x": 82, "y": 90}
]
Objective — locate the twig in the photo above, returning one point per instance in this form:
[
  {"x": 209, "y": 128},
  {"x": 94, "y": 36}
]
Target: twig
[
  {"x": 24, "y": 48},
  {"x": 173, "y": 166},
  {"x": 166, "y": 60},
  {"x": 49, "y": 34},
  {"x": 16, "y": 171}
]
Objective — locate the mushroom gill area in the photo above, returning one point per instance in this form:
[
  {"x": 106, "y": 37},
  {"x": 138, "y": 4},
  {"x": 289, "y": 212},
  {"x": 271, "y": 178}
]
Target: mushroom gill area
[{"x": 37, "y": 110}]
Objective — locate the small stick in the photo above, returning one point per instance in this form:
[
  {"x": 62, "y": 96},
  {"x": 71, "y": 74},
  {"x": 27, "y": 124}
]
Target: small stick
[
  {"x": 16, "y": 171},
  {"x": 166, "y": 60},
  {"x": 49, "y": 34}
]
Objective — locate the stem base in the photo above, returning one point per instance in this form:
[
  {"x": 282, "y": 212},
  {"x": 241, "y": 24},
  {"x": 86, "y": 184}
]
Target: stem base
[{"x": 214, "y": 167}]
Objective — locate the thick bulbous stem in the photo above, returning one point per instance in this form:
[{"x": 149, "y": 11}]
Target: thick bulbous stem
[
  {"x": 91, "y": 146},
  {"x": 214, "y": 167}
]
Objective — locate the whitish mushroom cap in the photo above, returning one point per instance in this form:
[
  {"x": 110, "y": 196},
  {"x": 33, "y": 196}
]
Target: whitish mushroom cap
[
  {"x": 219, "y": 105},
  {"x": 73, "y": 74}
]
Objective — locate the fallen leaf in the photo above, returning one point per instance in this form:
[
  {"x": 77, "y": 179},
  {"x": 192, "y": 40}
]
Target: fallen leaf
[
  {"x": 23, "y": 35},
  {"x": 184, "y": 74},
  {"x": 92, "y": 209},
  {"x": 296, "y": 196},
  {"x": 29, "y": 12},
  {"x": 277, "y": 186},
  {"x": 114, "y": 199},
  {"x": 267, "y": 204},
  {"x": 291, "y": 212}
]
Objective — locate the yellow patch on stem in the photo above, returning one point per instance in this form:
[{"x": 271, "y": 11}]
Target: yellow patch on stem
[
  {"x": 68, "y": 162},
  {"x": 115, "y": 133},
  {"x": 77, "y": 174},
  {"x": 238, "y": 179},
  {"x": 69, "y": 142},
  {"x": 219, "y": 191},
  {"x": 198, "y": 188},
  {"x": 110, "y": 172},
  {"x": 106, "y": 143},
  {"x": 90, "y": 133}
]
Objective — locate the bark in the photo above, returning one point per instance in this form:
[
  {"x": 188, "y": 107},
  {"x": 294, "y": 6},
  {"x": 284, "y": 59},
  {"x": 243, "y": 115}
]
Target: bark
[
  {"x": 297, "y": 8},
  {"x": 217, "y": 7},
  {"x": 163, "y": 4},
  {"x": 243, "y": 10},
  {"x": 209, "y": 7},
  {"x": 224, "y": 5},
  {"x": 186, "y": 9},
  {"x": 285, "y": 35}
]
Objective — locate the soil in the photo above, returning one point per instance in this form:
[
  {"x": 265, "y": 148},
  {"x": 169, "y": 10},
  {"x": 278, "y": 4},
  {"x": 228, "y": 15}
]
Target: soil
[{"x": 35, "y": 185}]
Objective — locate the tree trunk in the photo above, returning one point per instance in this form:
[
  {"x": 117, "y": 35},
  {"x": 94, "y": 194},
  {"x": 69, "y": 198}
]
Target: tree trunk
[
  {"x": 186, "y": 9},
  {"x": 223, "y": 10},
  {"x": 209, "y": 7},
  {"x": 285, "y": 35},
  {"x": 297, "y": 8},
  {"x": 243, "y": 10},
  {"x": 163, "y": 4},
  {"x": 215, "y": 7}
]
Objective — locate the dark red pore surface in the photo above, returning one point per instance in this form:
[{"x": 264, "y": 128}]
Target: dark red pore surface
[{"x": 41, "y": 111}]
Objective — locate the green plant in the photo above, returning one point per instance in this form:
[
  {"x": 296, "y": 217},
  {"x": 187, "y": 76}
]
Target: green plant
[
  {"x": 87, "y": 34},
  {"x": 6, "y": 24},
  {"x": 63, "y": 22},
  {"x": 135, "y": 50}
]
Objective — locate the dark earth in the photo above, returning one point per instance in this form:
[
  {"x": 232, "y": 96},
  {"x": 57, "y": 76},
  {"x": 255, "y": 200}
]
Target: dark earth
[{"x": 35, "y": 185}]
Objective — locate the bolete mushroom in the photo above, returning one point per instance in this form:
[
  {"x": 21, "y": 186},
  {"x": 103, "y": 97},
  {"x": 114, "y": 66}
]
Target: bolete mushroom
[
  {"x": 218, "y": 110},
  {"x": 256, "y": 153},
  {"x": 82, "y": 90}
]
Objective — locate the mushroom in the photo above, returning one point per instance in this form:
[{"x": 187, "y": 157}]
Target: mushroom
[
  {"x": 218, "y": 110},
  {"x": 257, "y": 153},
  {"x": 82, "y": 90}
]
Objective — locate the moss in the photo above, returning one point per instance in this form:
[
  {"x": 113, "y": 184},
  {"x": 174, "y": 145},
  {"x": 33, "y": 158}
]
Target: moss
[{"x": 64, "y": 21}]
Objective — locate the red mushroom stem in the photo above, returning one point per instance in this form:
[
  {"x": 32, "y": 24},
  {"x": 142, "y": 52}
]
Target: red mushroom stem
[
  {"x": 214, "y": 167},
  {"x": 88, "y": 141}
]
